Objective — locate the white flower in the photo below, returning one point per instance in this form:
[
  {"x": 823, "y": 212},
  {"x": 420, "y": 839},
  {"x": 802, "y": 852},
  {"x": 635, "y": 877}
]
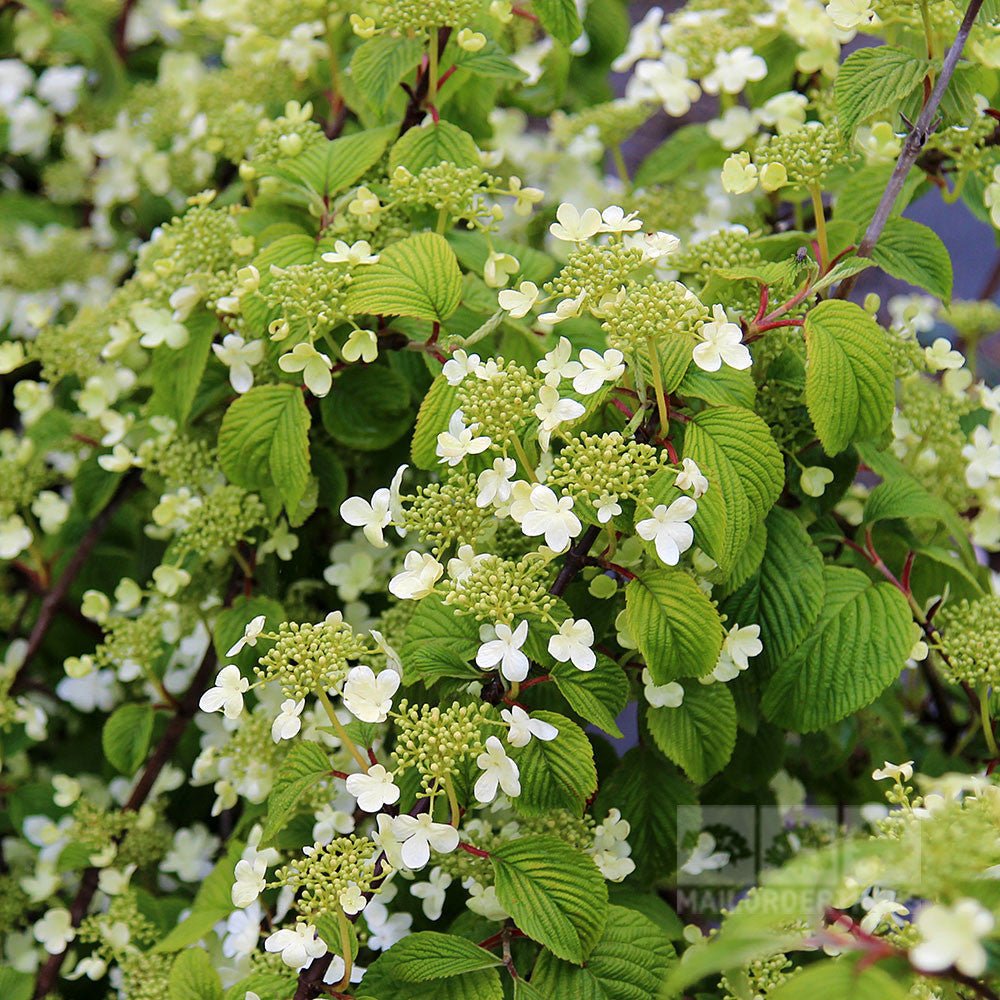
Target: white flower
[
  {"x": 361, "y": 345},
  {"x": 668, "y": 529},
  {"x": 420, "y": 572},
  {"x": 158, "y": 327},
  {"x": 722, "y": 342},
  {"x": 556, "y": 365},
  {"x": 239, "y": 357},
  {"x": 644, "y": 42},
  {"x": 598, "y": 369},
  {"x": 815, "y": 479},
  {"x": 498, "y": 771},
  {"x": 850, "y": 14},
  {"x": 288, "y": 722},
  {"x": 523, "y": 727},
  {"x": 190, "y": 855},
  {"x": 553, "y": 410},
  {"x": 463, "y": 563},
  {"x": 655, "y": 245},
  {"x": 484, "y": 901},
  {"x": 372, "y": 517},
  {"x": 15, "y": 536},
  {"x": 573, "y": 642},
  {"x": 897, "y": 772},
  {"x": 607, "y": 507},
  {"x": 940, "y": 355},
  {"x": 737, "y": 648},
  {"x": 690, "y": 478},
  {"x": 374, "y": 790},
  {"x": 461, "y": 364},
  {"x": 168, "y": 580},
  {"x": 16, "y": 79},
  {"x": 55, "y": 930},
  {"x": 359, "y": 252},
  {"x": 574, "y": 227},
  {"x": 92, "y": 967},
  {"x": 704, "y": 857},
  {"x": 552, "y": 517},
  {"x": 494, "y": 484},
  {"x": 251, "y": 880},
  {"x": 499, "y": 269},
  {"x": 250, "y": 635},
  {"x": 504, "y": 649},
  {"x": 432, "y": 893},
  {"x": 315, "y": 367},
  {"x": 733, "y": 129},
  {"x": 734, "y": 70},
  {"x": 418, "y": 834},
  {"x": 565, "y": 309},
  {"x": 227, "y": 693},
  {"x": 458, "y": 441},
  {"x": 983, "y": 457},
  {"x": 670, "y": 695},
  {"x": 520, "y": 302},
  {"x": 952, "y": 936},
  {"x": 368, "y": 696},
  {"x": 183, "y": 301},
  {"x": 614, "y": 220},
  {"x": 879, "y": 905},
  {"x": 738, "y": 174},
  {"x": 119, "y": 460},
  {"x": 665, "y": 80},
  {"x": 298, "y": 947},
  {"x": 785, "y": 111}
]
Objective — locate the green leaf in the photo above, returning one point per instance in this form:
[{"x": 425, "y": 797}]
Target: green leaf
[
  {"x": 193, "y": 977},
  {"x": 431, "y": 144},
  {"x": 264, "y": 441},
  {"x": 430, "y": 955},
  {"x": 686, "y": 149},
  {"x": 700, "y": 734},
  {"x": 126, "y": 735},
  {"x": 855, "y": 650},
  {"x": 369, "y": 408},
  {"x": 597, "y": 695},
  {"x": 838, "y": 978},
  {"x": 305, "y": 764},
  {"x": 785, "y": 595},
  {"x": 769, "y": 272},
  {"x": 382, "y": 982},
  {"x": 489, "y": 61},
  {"x": 676, "y": 627},
  {"x": 904, "y": 498},
  {"x": 628, "y": 963},
  {"x": 264, "y": 984},
  {"x": 435, "y": 622},
  {"x": 417, "y": 277},
  {"x": 328, "y": 167},
  {"x": 379, "y": 63},
  {"x": 555, "y": 893},
  {"x": 726, "y": 387},
  {"x": 861, "y": 194},
  {"x": 648, "y": 791},
  {"x": 560, "y": 19},
  {"x": 435, "y": 411},
  {"x": 555, "y": 774},
  {"x": 914, "y": 253},
  {"x": 734, "y": 448},
  {"x": 872, "y": 81},
  {"x": 16, "y": 985},
  {"x": 849, "y": 375},
  {"x": 176, "y": 375}
]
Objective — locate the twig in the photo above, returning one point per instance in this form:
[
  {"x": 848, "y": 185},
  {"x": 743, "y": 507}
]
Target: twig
[
  {"x": 914, "y": 143},
  {"x": 121, "y": 29},
  {"x": 575, "y": 560},
  {"x": 52, "y": 600}
]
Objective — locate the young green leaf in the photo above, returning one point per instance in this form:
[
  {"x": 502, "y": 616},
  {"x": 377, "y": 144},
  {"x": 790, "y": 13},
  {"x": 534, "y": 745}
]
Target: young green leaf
[
  {"x": 379, "y": 63},
  {"x": 597, "y": 695},
  {"x": 431, "y": 144},
  {"x": 305, "y": 764},
  {"x": 872, "y": 81},
  {"x": 436, "y": 410},
  {"x": 555, "y": 774},
  {"x": 675, "y": 625},
  {"x": 560, "y": 19},
  {"x": 176, "y": 374},
  {"x": 914, "y": 253},
  {"x": 555, "y": 893},
  {"x": 417, "y": 277},
  {"x": 430, "y": 955},
  {"x": 126, "y": 737},
  {"x": 193, "y": 977},
  {"x": 855, "y": 650},
  {"x": 849, "y": 375}
]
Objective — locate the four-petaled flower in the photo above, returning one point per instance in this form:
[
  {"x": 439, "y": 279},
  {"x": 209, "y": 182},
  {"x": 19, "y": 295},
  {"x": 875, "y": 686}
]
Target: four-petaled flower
[
  {"x": 518, "y": 302},
  {"x": 227, "y": 694},
  {"x": 498, "y": 771},
  {"x": 418, "y": 834},
  {"x": 420, "y": 572},
  {"x": 289, "y": 722},
  {"x": 374, "y": 790},
  {"x": 367, "y": 695},
  {"x": 251, "y": 881},
  {"x": 523, "y": 727},
  {"x": 668, "y": 529},
  {"x": 239, "y": 356},
  {"x": 574, "y": 227},
  {"x": 551, "y": 516},
  {"x": 691, "y": 478},
  {"x": 504, "y": 649},
  {"x": 952, "y": 936},
  {"x": 598, "y": 369},
  {"x": 359, "y": 252},
  {"x": 315, "y": 367},
  {"x": 573, "y": 642},
  {"x": 371, "y": 517},
  {"x": 722, "y": 341},
  {"x": 458, "y": 441},
  {"x": 298, "y": 947}
]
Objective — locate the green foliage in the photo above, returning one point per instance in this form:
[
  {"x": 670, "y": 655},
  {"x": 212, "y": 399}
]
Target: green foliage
[
  {"x": 556, "y": 774},
  {"x": 193, "y": 977},
  {"x": 914, "y": 253},
  {"x": 126, "y": 737},
  {"x": 872, "y": 81},
  {"x": 305, "y": 765}
]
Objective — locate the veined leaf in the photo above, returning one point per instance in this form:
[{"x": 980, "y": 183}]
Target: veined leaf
[
  {"x": 490, "y": 61},
  {"x": 841, "y": 977},
  {"x": 676, "y": 627},
  {"x": 417, "y": 277},
  {"x": 560, "y": 19},
  {"x": 436, "y": 410},
  {"x": 369, "y": 408},
  {"x": 305, "y": 764},
  {"x": 849, "y": 375},
  {"x": 597, "y": 695},
  {"x": 193, "y": 977},
  {"x": 903, "y": 498},
  {"x": 431, "y": 144},
  {"x": 872, "y": 81},
  {"x": 734, "y": 448},
  {"x": 435, "y": 622},
  {"x": 555, "y": 774},
  {"x": 264, "y": 440},
  {"x": 176, "y": 374},
  {"x": 856, "y": 649},
  {"x": 379, "y": 63},
  {"x": 126, "y": 735},
  {"x": 430, "y": 955},
  {"x": 699, "y": 735},
  {"x": 555, "y": 893},
  {"x": 914, "y": 253},
  {"x": 629, "y": 962}
]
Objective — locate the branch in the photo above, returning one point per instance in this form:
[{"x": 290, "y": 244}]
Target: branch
[
  {"x": 914, "y": 143},
  {"x": 575, "y": 560},
  {"x": 52, "y": 600},
  {"x": 121, "y": 29},
  {"x": 49, "y": 972}
]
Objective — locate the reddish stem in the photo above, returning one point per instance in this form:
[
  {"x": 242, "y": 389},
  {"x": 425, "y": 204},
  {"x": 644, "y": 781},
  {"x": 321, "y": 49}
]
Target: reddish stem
[{"x": 469, "y": 849}]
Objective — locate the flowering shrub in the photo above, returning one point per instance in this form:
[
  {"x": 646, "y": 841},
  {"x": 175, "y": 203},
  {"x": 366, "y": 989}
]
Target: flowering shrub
[{"x": 434, "y": 567}]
